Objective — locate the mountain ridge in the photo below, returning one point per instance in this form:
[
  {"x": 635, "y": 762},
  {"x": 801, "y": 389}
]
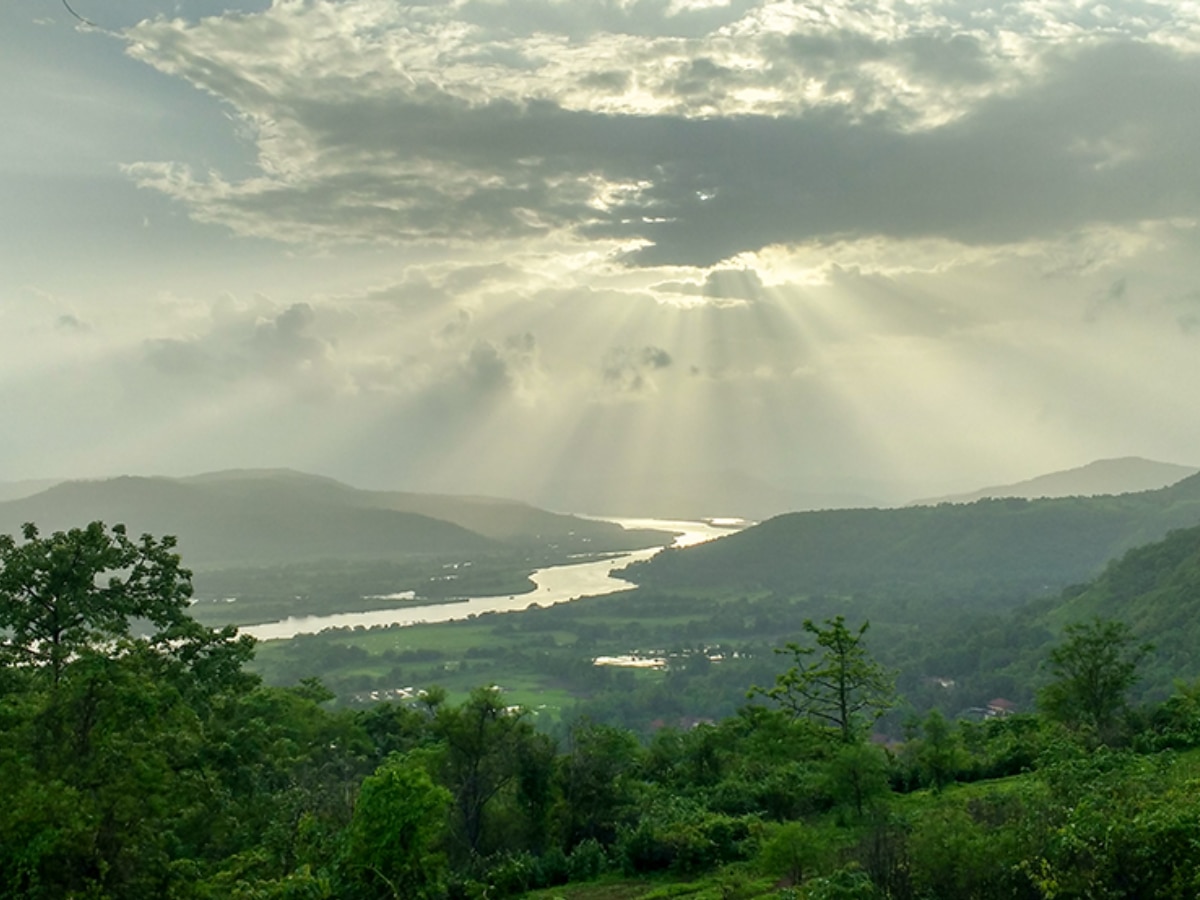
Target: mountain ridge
[
  {"x": 268, "y": 517},
  {"x": 1102, "y": 477},
  {"x": 992, "y": 550}
]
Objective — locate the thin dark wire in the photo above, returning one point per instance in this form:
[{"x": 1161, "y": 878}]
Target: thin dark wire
[{"x": 78, "y": 16}]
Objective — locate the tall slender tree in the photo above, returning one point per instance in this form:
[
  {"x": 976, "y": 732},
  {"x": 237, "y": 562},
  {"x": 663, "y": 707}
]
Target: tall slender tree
[{"x": 835, "y": 683}]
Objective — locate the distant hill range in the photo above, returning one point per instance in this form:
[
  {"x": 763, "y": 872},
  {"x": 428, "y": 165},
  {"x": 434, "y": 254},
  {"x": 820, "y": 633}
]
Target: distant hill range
[
  {"x": 271, "y": 517},
  {"x": 959, "y": 555},
  {"x": 15, "y": 490},
  {"x": 688, "y": 494},
  {"x": 1126, "y": 475}
]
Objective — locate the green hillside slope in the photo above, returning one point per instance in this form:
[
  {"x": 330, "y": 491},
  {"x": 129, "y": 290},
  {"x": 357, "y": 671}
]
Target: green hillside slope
[
  {"x": 992, "y": 549},
  {"x": 262, "y": 522},
  {"x": 270, "y": 517},
  {"x": 1156, "y": 590},
  {"x": 498, "y": 519}
]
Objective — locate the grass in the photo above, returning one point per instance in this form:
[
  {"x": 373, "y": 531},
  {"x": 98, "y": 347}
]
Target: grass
[
  {"x": 731, "y": 883},
  {"x": 541, "y": 657}
]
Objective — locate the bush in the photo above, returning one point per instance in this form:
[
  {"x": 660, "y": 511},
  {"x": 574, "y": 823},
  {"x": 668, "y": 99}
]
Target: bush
[
  {"x": 849, "y": 883},
  {"x": 587, "y": 861},
  {"x": 685, "y": 839}
]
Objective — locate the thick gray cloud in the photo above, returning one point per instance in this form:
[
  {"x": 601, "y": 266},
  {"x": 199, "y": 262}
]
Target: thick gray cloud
[{"x": 1101, "y": 129}]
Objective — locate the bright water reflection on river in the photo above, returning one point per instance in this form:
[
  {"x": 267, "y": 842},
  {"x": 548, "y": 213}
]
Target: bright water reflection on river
[{"x": 558, "y": 584}]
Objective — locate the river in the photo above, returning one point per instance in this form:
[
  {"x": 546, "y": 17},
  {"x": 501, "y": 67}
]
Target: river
[{"x": 556, "y": 584}]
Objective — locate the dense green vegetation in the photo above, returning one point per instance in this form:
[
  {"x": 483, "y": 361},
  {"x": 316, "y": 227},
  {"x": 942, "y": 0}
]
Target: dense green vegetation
[
  {"x": 949, "y": 557},
  {"x": 717, "y": 641},
  {"x": 142, "y": 760}
]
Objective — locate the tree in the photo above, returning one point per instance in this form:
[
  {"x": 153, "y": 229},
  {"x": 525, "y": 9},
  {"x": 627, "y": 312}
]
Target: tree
[
  {"x": 107, "y": 688},
  {"x": 941, "y": 754},
  {"x": 1093, "y": 670},
  {"x": 840, "y": 687},
  {"x": 792, "y": 851},
  {"x": 857, "y": 775},
  {"x": 483, "y": 742},
  {"x": 398, "y": 819},
  {"x": 598, "y": 777},
  {"x": 82, "y": 590}
]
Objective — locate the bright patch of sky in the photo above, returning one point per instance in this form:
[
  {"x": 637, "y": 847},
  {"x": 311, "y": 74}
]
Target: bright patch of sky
[{"x": 589, "y": 252}]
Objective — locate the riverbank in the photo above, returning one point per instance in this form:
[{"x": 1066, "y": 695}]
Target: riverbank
[{"x": 552, "y": 585}]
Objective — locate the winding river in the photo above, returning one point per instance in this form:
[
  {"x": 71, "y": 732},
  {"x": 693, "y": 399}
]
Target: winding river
[{"x": 557, "y": 584}]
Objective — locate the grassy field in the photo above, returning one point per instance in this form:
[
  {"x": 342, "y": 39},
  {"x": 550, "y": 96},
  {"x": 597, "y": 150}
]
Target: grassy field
[
  {"x": 731, "y": 883},
  {"x": 542, "y": 658}
]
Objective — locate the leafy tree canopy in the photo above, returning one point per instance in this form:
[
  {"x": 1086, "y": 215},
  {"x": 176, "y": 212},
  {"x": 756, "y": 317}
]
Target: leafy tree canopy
[
  {"x": 87, "y": 590},
  {"x": 1093, "y": 670}
]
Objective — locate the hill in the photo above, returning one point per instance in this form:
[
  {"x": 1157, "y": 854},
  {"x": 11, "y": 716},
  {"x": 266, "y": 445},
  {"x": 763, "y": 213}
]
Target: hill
[
  {"x": 1154, "y": 588},
  {"x": 15, "y": 490},
  {"x": 271, "y": 517},
  {"x": 963, "y": 554},
  {"x": 1127, "y": 475}
]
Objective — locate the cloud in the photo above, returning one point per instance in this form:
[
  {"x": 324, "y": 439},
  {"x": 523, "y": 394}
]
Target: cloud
[
  {"x": 239, "y": 345},
  {"x": 719, "y": 284},
  {"x": 485, "y": 369},
  {"x": 72, "y": 324},
  {"x": 627, "y": 370},
  {"x": 1114, "y": 297},
  {"x": 773, "y": 124}
]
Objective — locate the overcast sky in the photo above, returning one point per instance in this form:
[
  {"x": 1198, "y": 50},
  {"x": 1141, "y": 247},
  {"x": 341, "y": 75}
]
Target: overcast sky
[{"x": 509, "y": 245}]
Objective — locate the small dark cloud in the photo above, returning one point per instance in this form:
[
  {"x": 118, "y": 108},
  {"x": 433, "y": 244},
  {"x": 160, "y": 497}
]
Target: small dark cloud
[
  {"x": 71, "y": 324},
  {"x": 1113, "y": 297},
  {"x": 655, "y": 357},
  {"x": 702, "y": 78},
  {"x": 491, "y": 368},
  {"x": 178, "y": 358},
  {"x": 485, "y": 369},
  {"x": 612, "y": 82},
  {"x": 285, "y": 340},
  {"x": 523, "y": 344},
  {"x": 456, "y": 327},
  {"x": 626, "y": 369}
]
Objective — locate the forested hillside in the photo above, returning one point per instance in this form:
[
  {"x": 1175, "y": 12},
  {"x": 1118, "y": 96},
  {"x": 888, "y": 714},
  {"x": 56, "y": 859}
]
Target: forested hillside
[
  {"x": 1156, "y": 590},
  {"x": 973, "y": 554}
]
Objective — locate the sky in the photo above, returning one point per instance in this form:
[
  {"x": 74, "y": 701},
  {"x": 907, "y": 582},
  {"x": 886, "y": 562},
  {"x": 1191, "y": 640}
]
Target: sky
[{"x": 596, "y": 252}]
